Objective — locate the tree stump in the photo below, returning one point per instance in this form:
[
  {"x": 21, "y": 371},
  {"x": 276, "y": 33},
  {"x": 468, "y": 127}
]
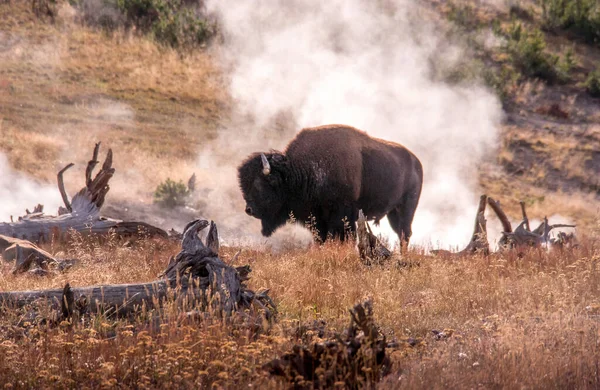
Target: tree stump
[{"x": 370, "y": 248}]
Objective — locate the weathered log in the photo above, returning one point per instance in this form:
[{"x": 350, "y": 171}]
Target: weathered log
[
  {"x": 356, "y": 359},
  {"x": 370, "y": 248},
  {"x": 82, "y": 213},
  {"x": 197, "y": 279}
]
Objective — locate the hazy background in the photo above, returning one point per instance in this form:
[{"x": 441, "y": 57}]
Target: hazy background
[
  {"x": 369, "y": 64},
  {"x": 289, "y": 64}
]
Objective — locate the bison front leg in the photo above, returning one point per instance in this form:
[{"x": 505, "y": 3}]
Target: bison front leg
[{"x": 341, "y": 222}]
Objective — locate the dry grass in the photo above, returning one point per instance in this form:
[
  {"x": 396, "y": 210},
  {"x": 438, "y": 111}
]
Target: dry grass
[
  {"x": 530, "y": 321},
  {"x": 65, "y": 86}
]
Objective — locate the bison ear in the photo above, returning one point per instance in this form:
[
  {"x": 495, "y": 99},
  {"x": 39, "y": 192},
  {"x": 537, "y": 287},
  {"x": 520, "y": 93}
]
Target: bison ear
[{"x": 277, "y": 158}]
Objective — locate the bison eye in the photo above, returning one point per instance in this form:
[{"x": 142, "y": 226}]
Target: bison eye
[{"x": 274, "y": 179}]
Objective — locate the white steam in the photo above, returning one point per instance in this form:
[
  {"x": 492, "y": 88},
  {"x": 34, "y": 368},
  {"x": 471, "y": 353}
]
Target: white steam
[
  {"x": 368, "y": 65},
  {"x": 18, "y": 192}
]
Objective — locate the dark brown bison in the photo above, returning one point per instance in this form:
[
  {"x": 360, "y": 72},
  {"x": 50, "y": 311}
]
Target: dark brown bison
[{"x": 326, "y": 175}]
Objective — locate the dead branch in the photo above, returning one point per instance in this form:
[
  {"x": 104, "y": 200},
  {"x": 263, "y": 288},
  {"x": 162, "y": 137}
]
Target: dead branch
[
  {"x": 61, "y": 187},
  {"x": 479, "y": 242},
  {"x": 545, "y": 228},
  {"x": 524, "y": 213},
  {"x": 91, "y": 165},
  {"x": 520, "y": 238},
  {"x": 495, "y": 205},
  {"x": 27, "y": 257},
  {"x": 212, "y": 240},
  {"x": 506, "y": 225}
]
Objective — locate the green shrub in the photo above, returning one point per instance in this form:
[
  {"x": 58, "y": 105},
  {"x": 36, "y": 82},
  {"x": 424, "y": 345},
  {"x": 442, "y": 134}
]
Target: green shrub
[
  {"x": 171, "y": 22},
  {"x": 464, "y": 16},
  {"x": 592, "y": 83},
  {"x": 579, "y": 16},
  {"x": 176, "y": 23},
  {"x": 566, "y": 64},
  {"x": 501, "y": 80},
  {"x": 528, "y": 52},
  {"x": 171, "y": 194}
]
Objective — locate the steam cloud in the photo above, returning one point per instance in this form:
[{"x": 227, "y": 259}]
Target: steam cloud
[
  {"x": 18, "y": 191},
  {"x": 367, "y": 64}
]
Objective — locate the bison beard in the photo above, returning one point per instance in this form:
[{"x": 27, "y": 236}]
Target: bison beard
[{"x": 326, "y": 175}]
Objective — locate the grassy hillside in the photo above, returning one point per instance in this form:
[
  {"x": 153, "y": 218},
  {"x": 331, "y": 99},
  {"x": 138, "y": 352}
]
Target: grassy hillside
[
  {"x": 64, "y": 85},
  {"x": 516, "y": 321},
  {"x": 544, "y": 73}
]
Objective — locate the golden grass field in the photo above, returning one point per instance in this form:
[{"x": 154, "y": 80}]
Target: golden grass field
[
  {"x": 517, "y": 322},
  {"x": 530, "y": 322}
]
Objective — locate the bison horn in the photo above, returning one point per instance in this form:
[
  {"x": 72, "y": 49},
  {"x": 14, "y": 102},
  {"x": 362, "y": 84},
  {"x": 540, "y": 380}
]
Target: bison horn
[{"x": 265, "y": 164}]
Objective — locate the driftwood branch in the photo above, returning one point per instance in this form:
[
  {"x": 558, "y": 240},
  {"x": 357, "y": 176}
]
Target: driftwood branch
[
  {"x": 524, "y": 214},
  {"x": 82, "y": 213},
  {"x": 61, "y": 187},
  {"x": 495, "y": 205},
  {"x": 197, "y": 279},
  {"x": 91, "y": 165},
  {"x": 479, "y": 242},
  {"x": 27, "y": 257},
  {"x": 506, "y": 225}
]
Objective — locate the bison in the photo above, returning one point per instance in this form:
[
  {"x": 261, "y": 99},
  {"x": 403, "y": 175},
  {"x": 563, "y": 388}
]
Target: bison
[{"x": 326, "y": 175}]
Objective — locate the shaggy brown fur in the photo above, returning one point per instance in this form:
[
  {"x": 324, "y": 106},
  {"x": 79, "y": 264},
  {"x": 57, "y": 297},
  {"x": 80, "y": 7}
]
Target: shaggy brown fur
[{"x": 326, "y": 175}]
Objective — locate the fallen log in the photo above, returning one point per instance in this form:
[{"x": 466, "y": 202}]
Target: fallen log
[
  {"x": 356, "y": 359},
  {"x": 196, "y": 279},
  {"x": 81, "y": 214}
]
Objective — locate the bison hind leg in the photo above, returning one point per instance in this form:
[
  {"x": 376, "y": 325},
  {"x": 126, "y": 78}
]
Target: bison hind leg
[{"x": 401, "y": 218}]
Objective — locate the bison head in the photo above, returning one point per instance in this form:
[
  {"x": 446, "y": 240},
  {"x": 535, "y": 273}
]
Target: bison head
[{"x": 262, "y": 180}]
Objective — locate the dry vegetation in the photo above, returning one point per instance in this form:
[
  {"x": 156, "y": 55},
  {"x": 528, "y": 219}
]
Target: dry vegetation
[
  {"x": 530, "y": 321},
  {"x": 62, "y": 85}
]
